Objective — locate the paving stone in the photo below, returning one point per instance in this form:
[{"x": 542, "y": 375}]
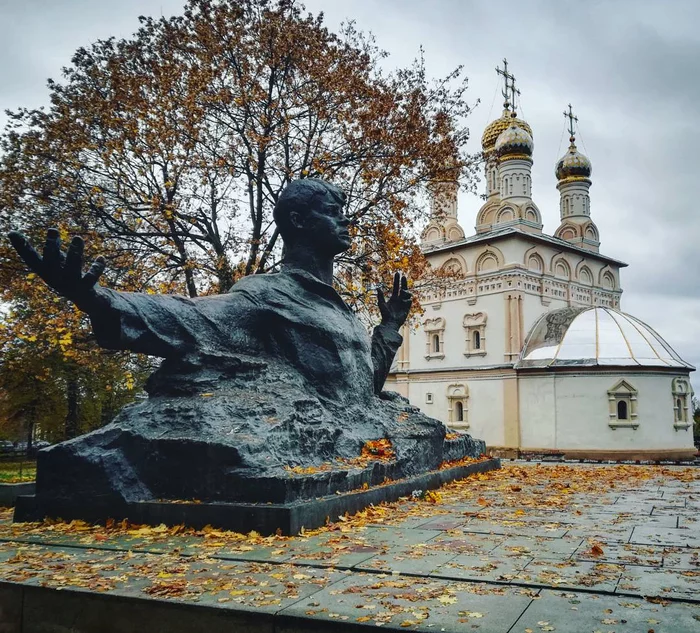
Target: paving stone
[
  {"x": 659, "y": 521},
  {"x": 553, "y": 530},
  {"x": 634, "y": 509},
  {"x": 465, "y": 543},
  {"x": 415, "y": 559},
  {"x": 472, "y": 567},
  {"x": 570, "y": 612},
  {"x": 622, "y": 554},
  {"x": 691, "y": 522},
  {"x": 682, "y": 558},
  {"x": 391, "y": 536},
  {"x": 661, "y": 510},
  {"x": 340, "y": 554},
  {"x": 661, "y": 583},
  {"x": 539, "y": 547},
  {"x": 603, "y": 534},
  {"x": 401, "y": 522},
  {"x": 571, "y": 573},
  {"x": 666, "y": 536},
  {"x": 403, "y": 603},
  {"x": 445, "y": 523}
]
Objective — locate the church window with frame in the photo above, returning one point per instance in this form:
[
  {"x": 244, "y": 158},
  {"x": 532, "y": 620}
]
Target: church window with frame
[
  {"x": 622, "y": 402},
  {"x": 682, "y": 395},
  {"x": 434, "y": 338},
  {"x": 457, "y": 409},
  {"x": 475, "y": 334}
]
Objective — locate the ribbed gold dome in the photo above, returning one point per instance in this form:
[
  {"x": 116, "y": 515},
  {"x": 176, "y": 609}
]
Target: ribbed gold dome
[
  {"x": 493, "y": 130},
  {"x": 573, "y": 165},
  {"x": 514, "y": 141}
]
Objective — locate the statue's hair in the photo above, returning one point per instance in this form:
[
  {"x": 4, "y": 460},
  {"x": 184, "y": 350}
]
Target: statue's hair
[{"x": 301, "y": 195}]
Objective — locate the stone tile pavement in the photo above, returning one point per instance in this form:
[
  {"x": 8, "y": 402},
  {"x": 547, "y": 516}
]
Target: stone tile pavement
[{"x": 532, "y": 547}]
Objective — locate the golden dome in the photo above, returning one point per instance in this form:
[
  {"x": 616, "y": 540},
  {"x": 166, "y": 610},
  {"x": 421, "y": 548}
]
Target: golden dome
[
  {"x": 514, "y": 141},
  {"x": 573, "y": 165},
  {"x": 493, "y": 130}
]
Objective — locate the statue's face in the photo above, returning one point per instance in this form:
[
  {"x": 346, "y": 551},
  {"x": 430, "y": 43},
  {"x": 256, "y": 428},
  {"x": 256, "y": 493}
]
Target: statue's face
[{"x": 327, "y": 226}]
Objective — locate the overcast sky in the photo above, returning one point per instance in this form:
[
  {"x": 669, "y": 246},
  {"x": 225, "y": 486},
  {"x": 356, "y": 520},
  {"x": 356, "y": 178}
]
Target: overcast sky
[{"x": 629, "y": 67}]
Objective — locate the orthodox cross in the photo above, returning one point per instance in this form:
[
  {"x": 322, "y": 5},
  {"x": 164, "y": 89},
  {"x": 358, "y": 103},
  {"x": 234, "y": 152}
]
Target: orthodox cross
[
  {"x": 507, "y": 78},
  {"x": 570, "y": 115},
  {"x": 515, "y": 93}
]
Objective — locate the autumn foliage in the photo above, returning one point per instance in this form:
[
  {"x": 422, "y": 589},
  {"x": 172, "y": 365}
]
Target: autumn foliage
[{"x": 167, "y": 151}]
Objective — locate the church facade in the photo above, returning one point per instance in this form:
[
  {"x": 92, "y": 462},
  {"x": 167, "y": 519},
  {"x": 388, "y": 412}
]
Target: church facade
[{"x": 526, "y": 347}]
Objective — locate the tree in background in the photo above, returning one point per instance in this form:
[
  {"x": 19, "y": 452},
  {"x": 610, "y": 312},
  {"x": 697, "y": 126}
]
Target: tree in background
[{"x": 168, "y": 150}]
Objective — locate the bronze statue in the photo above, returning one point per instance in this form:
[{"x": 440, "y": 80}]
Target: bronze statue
[
  {"x": 294, "y": 315},
  {"x": 276, "y": 373}
]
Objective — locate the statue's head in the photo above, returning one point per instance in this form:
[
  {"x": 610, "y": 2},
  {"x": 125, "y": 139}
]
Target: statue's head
[{"x": 309, "y": 212}]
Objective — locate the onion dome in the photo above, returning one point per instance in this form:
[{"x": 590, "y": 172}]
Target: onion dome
[
  {"x": 514, "y": 142},
  {"x": 573, "y": 165},
  {"x": 495, "y": 128},
  {"x": 595, "y": 336}
]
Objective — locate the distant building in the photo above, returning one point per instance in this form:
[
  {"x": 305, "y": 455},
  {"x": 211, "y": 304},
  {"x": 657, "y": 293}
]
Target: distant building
[{"x": 527, "y": 348}]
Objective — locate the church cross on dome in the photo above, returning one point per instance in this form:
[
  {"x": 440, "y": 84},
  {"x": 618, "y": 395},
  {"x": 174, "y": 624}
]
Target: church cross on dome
[
  {"x": 507, "y": 77},
  {"x": 570, "y": 115},
  {"x": 515, "y": 93}
]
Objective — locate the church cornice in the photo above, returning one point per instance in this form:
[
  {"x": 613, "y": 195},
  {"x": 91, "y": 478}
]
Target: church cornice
[{"x": 507, "y": 232}]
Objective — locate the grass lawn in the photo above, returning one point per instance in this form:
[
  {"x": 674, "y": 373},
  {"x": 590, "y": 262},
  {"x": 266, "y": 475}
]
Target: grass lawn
[{"x": 10, "y": 472}]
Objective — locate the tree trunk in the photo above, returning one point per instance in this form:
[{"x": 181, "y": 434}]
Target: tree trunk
[
  {"x": 71, "y": 427},
  {"x": 30, "y": 437}
]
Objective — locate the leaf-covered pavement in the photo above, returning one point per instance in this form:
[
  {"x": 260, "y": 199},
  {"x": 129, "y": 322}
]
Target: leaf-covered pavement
[{"x": 528, "y": 548}]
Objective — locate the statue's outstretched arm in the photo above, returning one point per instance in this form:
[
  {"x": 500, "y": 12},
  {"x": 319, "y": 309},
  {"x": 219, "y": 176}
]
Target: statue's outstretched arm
[
  {"x": 160, "y": 325},
  {"x": 386, "y": 338},
  {"x": 63, "y": 272}
]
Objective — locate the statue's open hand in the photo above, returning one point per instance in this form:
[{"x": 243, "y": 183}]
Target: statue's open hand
[
  {"x": 395, "y": 311},
  {"x": 62, "y": 272}
]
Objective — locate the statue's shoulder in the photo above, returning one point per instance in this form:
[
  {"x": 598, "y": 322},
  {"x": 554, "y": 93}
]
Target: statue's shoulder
[{"x": 263, "y": 285}]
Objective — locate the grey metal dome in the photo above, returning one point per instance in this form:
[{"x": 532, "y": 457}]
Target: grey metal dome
[{"x": 595, "y": 336}]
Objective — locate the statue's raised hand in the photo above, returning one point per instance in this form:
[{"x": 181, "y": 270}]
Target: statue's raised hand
[
  {"x": 395, "y": 311},
  {"x": 62, "y": 272}
]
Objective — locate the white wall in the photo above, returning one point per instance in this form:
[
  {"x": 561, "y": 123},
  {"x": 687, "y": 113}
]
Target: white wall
[
  {"x": 580, "y": 418},
  {"x": 484, "y": 405}
]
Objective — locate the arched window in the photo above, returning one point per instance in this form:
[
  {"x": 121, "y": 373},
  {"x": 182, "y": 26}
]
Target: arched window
[
  {"x": 682, "y": 397},
  {"x": 457, "y": 408},
  {"x": 680, "y": 410},
  {"x": 434, "y": 338},
  {"x": 623, "y": 406},
  {"x": 621, "y": 410},
  {"x": 475, "y": 333}
]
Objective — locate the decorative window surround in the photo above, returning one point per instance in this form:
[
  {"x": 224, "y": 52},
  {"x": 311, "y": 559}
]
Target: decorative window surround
[
  {"x": 682, "y": 394},
  {"x": 434, "y": 338},
  {"x": 457, "y": 394},
  {"x": 623, "y": 397},
  {"x": 475, "y": 331}
]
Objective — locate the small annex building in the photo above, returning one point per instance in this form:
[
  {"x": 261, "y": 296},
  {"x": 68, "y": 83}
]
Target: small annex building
[
  {"x": 526, "y": 347},
  {"x": 596, "y": 379}
]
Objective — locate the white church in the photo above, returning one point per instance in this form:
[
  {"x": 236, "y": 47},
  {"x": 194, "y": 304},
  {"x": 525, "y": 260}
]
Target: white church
[{"x": 527, "y": 347}]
